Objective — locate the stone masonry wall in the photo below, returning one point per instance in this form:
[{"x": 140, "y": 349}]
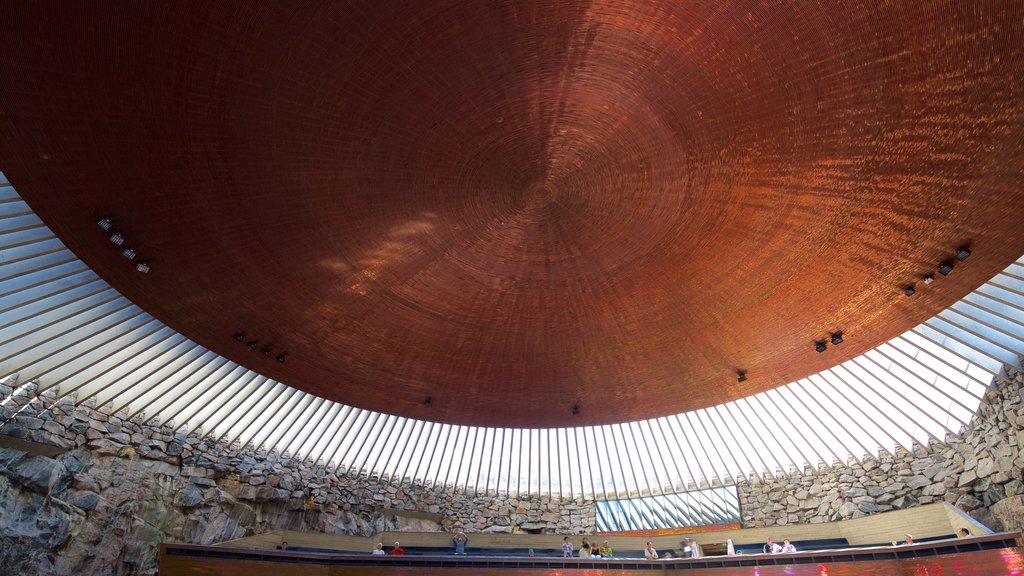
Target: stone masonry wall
[
  {"x": 120, "y": 487},
  {"x": 977, "y": 470}
]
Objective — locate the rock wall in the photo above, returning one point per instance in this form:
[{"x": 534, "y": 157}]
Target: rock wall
[
  {"x": 977, "y": 470},
  {"x": 86, "y": 491}
]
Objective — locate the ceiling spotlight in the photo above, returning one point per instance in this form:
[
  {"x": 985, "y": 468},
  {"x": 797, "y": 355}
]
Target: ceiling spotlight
[
  {"x": 267, "y": 351},
  {"x": 280, "y": 357},
  {"x": 575, "y": 409},
  {"x": 143, "y": 267},
  {"x": 741, "y": 376},
  {"x": 837, "y": 338},
  {"x": 130, "y": 253},
  {"x": 428, "y": 402},
  {"x": 253, "y": 344},
  {"x": 946, "y": 267},
  {"x": 929, "y": 279},
  {"x": 909, "y": 290},
  {"x": 962, "y": 253},
  {"x": 104, "y": 223},
  {"x": 117, "y": 238},
  {"x": 820, "y": 346},
  {"x": 239, "y": 336}
]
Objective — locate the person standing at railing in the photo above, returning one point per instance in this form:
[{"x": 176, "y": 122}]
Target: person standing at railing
[
  {"x": 459, "y": 541},
  {"x": 567, "y": 548},
  {"x": 650, "y": 553},
  {"x": 585, "y": 548}
]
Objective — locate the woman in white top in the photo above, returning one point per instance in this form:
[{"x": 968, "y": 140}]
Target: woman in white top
[
  {"x": 379, "y": 550},
  {"x": 585, "y": 549},
  {"x": 650, "y": 553}
]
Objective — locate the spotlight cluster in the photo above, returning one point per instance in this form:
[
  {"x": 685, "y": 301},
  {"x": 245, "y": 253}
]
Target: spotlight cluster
[
  {"x": 945, "y": 267},
  {"x": 267, "y": 349},
  {"x": 118, "y": 239}
]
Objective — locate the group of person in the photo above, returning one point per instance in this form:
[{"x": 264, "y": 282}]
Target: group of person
[
  {"x": 688, "y": 548},
  {"x": 587, "y": 550},
  {"x": 397, "y": 550},
  {"x": 786, "y": 547},
  {"x": 459, "y": 542}
]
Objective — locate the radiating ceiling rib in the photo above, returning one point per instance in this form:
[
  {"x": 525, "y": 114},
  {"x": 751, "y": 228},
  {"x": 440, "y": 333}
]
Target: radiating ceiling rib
[
  {"x": 910, "y": 410},
  {"x": 996, "y": 334},
  {"x": 178, "y": 373},
  {"x": 976, "y": 302},
  {"x": 742, "y": 424},
  {"x": 903, "y": 342},
  {"x": 219, "y": 419},
  {"x": 378, "y": 448},
  {"x": 686, "y": 444},
  {"x": 914, "y": 369},
  {"x": 802, "y": 429},
  {"x": 433, "y": 471},
  {"x": 50, "y": 355},
  {"x": 433, "y": 434},
  {"x": 855, "y": 414},
  {"x": 360, "y": 456},
  {"x": 273, "y": 433},
  {"x": 799, "y": 395},
  {"x": 667, "y": 475},
  {"x": 251, "y": 422},
  {"x": 645, "y": 445},
  {"x": 336, "y": 433},
  {"x": 182, "y": 352},
  {"x": 317, "y": 437},
  {"x": 154, "y": 399},
  {"x": 795, "y": 450},
  {"x": 217, "y": 369},
  {"x": 61, "y": 325},
  {"x": 305, "y": 428},
  {"x": 211, "y": 400},
  {"x": 391, "y": 453},
  {"x": 974, "y": 339},
  {"x": 710, "y": 418}
]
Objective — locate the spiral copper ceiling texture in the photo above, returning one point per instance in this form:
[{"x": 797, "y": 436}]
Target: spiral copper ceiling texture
[{"x": 518, "y": 208}]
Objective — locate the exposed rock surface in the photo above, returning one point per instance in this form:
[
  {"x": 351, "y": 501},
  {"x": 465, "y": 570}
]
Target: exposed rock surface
[
  {"x": 977, "y": 470},
  {"x": 120, "y": 487}
]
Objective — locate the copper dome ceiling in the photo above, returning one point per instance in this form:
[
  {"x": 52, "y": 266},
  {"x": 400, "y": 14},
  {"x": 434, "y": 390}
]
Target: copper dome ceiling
[{"x": 516, "y": 208}]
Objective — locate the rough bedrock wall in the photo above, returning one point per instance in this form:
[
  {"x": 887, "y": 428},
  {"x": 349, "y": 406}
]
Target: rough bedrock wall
[
  {"x": 977, "y": 470},
  {"x": 119, "y": 488}
]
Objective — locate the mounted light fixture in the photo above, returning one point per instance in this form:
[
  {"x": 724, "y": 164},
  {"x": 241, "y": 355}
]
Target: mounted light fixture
[
  {"x": 575, "y": 409},
  {"x": 909, "y": 290},
  {"x": 130, "y": 253},
  {"x": 945, "y": 267},
  {"x": 117, "y": 238},
  {"x": 143, "y": 267},
  {"x": 428, "y": 402},
  {"x": 741, "y": 376},
  {"x": 820, "y": 346},
  {"x": 104, "y": 223},
  {"x": 253, "y": 344},
  {"x": 837, "y": 338},
  {"x": 267, "y": 351},
  {"x": 280, "y": 357},
  {"x": 239, "y": 336},
  {"x": 928, "y": 279},
  {"x": 962, "y": 253}
]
